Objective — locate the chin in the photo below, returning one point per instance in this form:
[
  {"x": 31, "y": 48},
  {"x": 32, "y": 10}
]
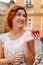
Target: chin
[{"x": 20, "y": 25}]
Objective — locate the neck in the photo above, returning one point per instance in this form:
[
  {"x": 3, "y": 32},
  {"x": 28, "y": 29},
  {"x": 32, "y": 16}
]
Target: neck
[{"x": 17, "y": 30}]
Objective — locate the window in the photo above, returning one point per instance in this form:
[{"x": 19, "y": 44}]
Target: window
[
  {"x": 28, "y": 2},
  {"x": 13, "y": 1},
  {"x": 7, "y": 1},
  {"x": 29, "y": 23},
  {"x": 42, "y": 23}
]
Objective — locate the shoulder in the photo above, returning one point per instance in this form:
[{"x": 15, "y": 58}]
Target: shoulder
[
  {"x": 3, "y": 36},
  {"x": 28, "y": 33}
]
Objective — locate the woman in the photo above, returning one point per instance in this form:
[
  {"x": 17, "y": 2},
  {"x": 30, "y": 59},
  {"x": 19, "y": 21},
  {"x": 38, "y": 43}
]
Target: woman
[{"x": 17, "y": 45}]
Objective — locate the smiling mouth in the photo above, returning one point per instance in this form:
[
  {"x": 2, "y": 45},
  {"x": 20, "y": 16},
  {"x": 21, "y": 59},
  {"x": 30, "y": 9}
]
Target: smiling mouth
[{"x": 20, "y": 22}]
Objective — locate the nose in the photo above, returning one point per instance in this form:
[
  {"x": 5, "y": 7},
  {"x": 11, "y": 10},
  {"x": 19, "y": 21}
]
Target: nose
[{"x": 22, "y": 17}]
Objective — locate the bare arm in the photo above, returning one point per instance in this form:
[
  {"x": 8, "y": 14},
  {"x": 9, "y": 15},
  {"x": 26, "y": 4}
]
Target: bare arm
[
  {"x": 1, "y": 51},
  {"x": 2, "y": 59},
  {"x": 29, "y": 52}
]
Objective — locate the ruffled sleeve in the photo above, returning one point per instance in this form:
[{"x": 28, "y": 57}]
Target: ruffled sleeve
[{"x": 28, "y": 34}]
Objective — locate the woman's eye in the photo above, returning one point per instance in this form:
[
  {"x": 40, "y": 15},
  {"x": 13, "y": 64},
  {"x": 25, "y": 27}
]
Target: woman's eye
[
  {"x": 18, "y": 15},
  {"x": 24, "y": 16}
]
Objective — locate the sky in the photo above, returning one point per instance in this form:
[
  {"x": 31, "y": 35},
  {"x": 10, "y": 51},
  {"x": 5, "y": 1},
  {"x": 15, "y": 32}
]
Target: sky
[{"x": 6, "y": 1}]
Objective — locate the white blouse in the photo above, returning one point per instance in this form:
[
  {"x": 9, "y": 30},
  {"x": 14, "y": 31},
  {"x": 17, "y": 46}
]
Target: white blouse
[{"x": 12, "y": 47}]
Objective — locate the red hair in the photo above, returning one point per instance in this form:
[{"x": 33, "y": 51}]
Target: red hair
[{"x": 11, "y": 13}]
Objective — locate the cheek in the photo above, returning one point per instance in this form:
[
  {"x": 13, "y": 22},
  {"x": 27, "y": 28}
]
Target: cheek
[
  {"x": 25, "y": 21},
  {"x": 14, "y": 19}
]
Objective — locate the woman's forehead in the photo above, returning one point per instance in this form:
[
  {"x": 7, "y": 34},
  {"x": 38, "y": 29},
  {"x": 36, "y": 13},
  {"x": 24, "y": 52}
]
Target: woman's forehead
[{"x": 21, "y": 11}]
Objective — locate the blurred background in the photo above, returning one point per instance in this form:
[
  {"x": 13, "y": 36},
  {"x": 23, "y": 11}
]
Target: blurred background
[{"x": 34, "y": 10}]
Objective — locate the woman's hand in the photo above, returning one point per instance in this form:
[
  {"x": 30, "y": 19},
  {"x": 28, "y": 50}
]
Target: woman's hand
[
  {"x": 18, "y": 57},
  {"x": 14, "y": 58}
]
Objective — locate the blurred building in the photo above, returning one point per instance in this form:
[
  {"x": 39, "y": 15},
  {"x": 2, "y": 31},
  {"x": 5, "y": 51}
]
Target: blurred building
[
  {"x": 34, "y": 9},
  {"x": 3, "y": 8}
]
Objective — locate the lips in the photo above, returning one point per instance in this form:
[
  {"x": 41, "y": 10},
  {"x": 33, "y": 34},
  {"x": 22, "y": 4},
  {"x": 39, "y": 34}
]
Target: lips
[{"x": 20, "y": 22}]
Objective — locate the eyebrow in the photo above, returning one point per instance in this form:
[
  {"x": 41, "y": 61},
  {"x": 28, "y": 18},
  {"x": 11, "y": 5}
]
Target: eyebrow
[{"x": 20, "y": 13}]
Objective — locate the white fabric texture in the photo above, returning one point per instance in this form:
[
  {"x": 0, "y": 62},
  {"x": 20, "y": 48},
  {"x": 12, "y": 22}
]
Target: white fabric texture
[{"x": 12, "y": 47}]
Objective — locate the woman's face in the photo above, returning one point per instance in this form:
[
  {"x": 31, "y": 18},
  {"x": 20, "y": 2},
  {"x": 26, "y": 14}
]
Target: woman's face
[{"x": 19, "y": 19}]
